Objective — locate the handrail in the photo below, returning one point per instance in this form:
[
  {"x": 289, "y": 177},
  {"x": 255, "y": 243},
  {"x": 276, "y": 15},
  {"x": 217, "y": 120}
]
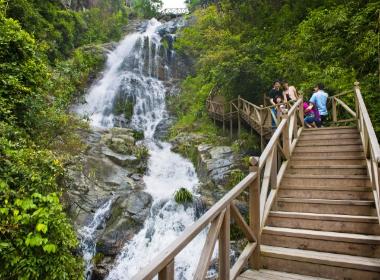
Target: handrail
[
  {"x": 280, "y": 147},
  {"x": 370, "y": 146},
  {"x": 371, "y": 132},
  {"x": 167, "y": 256},
  {"x": 367, "y": 135}
]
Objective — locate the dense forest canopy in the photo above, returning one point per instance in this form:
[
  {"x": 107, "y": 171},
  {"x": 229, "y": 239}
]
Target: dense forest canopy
[{"x": 243, "y": 46}]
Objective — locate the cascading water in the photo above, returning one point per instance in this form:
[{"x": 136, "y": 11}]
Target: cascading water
[
  {"x": 87, "y": 236},
  {"x": 133, "y": 70}
]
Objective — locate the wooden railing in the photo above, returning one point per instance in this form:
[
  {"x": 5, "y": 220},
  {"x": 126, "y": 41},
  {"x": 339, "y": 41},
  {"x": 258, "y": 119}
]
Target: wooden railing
[
  {"x": 367, "y": 133},
  {"x": 265, "y": 174},
  {"x": 174, "y": 11}
]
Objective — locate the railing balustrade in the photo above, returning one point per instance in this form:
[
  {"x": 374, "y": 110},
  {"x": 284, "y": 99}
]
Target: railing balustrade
[
  {"x": 367, "y": 133},
  {"x": 174, "y": 11}
]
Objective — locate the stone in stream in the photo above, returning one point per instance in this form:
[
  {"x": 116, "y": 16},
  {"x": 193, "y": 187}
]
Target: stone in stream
[{"x": 127, "y": 217}]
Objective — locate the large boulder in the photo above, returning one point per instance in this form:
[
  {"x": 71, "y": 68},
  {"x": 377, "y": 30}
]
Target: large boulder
[
  {"x": 216, "y": 163},
  {"x": 127, "y": 217}
]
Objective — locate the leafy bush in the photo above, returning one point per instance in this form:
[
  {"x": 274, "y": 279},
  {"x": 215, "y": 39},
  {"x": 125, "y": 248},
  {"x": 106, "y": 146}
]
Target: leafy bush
[
  {"x": 36, "y": 238},
  {"x": 183, "y": 196}
]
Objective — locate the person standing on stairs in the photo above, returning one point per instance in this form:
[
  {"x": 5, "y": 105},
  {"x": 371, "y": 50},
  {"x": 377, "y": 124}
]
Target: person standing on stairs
[
  {"x": 275, "y": 97},
  {"x": 319, "y": 98},
  {"x": 290, "y": 92}
]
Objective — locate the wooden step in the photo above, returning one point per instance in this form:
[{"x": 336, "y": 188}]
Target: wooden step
[
  {"x": 264, "y": 274},
  {"x": 311, "y": 154},
  {"x": 329, "y": 136},
  {"x": 328, "y": 222},
  {"x": 334, "y": 148},
  {"x": 327, "y": 206},
  {"x": 328, "y": 142},
  {"x": 312, "y": 169},
  {"x": 323, "y": 160},
  {"x": 323, "y": 192},
  {"x": 331, "y": 131},
  {"x": 325, "y": 180},
  {"x": 323, "y": 241},
  {"x": 319, "y": 264}
]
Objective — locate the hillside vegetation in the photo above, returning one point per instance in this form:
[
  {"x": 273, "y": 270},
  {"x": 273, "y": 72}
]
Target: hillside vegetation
[
  {"x": 47, "y": 55},
  {"x": 243, "y": 46}
]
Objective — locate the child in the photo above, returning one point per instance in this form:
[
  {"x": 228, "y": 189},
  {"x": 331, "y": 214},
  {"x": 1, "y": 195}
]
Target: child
[{"x": 311, "y": 114}]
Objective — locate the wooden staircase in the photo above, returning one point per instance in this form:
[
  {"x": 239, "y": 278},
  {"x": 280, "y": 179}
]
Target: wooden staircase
[
  {"x": 313, "y": 202},
  {"x": 324, "y": 223}
]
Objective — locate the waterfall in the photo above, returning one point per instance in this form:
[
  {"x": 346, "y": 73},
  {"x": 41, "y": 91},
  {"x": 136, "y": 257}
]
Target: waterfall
[{"x": 136, "y": 70}]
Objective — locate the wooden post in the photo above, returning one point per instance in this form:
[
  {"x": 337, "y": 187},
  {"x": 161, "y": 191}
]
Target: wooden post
[
  {"x": 231, "y": 120},
  {"x": 334, "y": 115},
  {"x": 167, "y": 273},
  {"x": 224, "y": 124},
  {"x": 224, "y": 247},
  {"x": 301, "y": 112},
  {"x": 239, "y": 103},
  {"x": 262, "y": 144},
  {"x": 254, "y": 213},
  {"x": 273, "y": 173},
  {"x": 357, "y": 110},
  {"x": 285, "y": 136}
]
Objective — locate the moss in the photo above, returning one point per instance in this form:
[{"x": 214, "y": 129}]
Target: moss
[
  {"x": 97, "y": 259},
  {"x": 123, "y": 107},
  {"x": 141, "y": 152},
  {"x": 128, "y": 109},
  {"x": 138, "y": 135}
]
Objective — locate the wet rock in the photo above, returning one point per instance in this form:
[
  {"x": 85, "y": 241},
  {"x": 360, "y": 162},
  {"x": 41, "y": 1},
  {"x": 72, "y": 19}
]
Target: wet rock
[
  {"x": 216, "y": 163},
  {"x": 136, "y": 177},
  {"x": 122, "y": 160},
  {"x": 127, "y": 217}
]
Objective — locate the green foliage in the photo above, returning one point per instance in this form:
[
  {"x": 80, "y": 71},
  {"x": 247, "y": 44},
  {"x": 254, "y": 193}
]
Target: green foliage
[
  {"x": 36, "y": 239},
  {"x": 147, "y": 8},
  {"x": 242, "y": 46},
  {"x": 22, "y": 72},
  {"x": 60, "y": 30},
  {"x": 138, "y": 135},
  {"x": 98, "y": 258},
  {"x": 141, "y": 152},
  {"x": 40, "y": 74},
  {"x": 235, "y": 177},
  {"x": 183, "y": 196},
  {"x": 124, "y": 107},
  {"x": 190, "y": 109}
]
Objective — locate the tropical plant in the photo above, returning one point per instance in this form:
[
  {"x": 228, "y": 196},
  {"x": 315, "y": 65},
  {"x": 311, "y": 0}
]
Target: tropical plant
[{"x": 183, "y": 196}]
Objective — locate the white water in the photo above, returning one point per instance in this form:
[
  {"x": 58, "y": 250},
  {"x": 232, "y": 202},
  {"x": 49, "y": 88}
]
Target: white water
[
  {"x": 87, "y": 236},
  {"x": 134, "y": 69}
]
